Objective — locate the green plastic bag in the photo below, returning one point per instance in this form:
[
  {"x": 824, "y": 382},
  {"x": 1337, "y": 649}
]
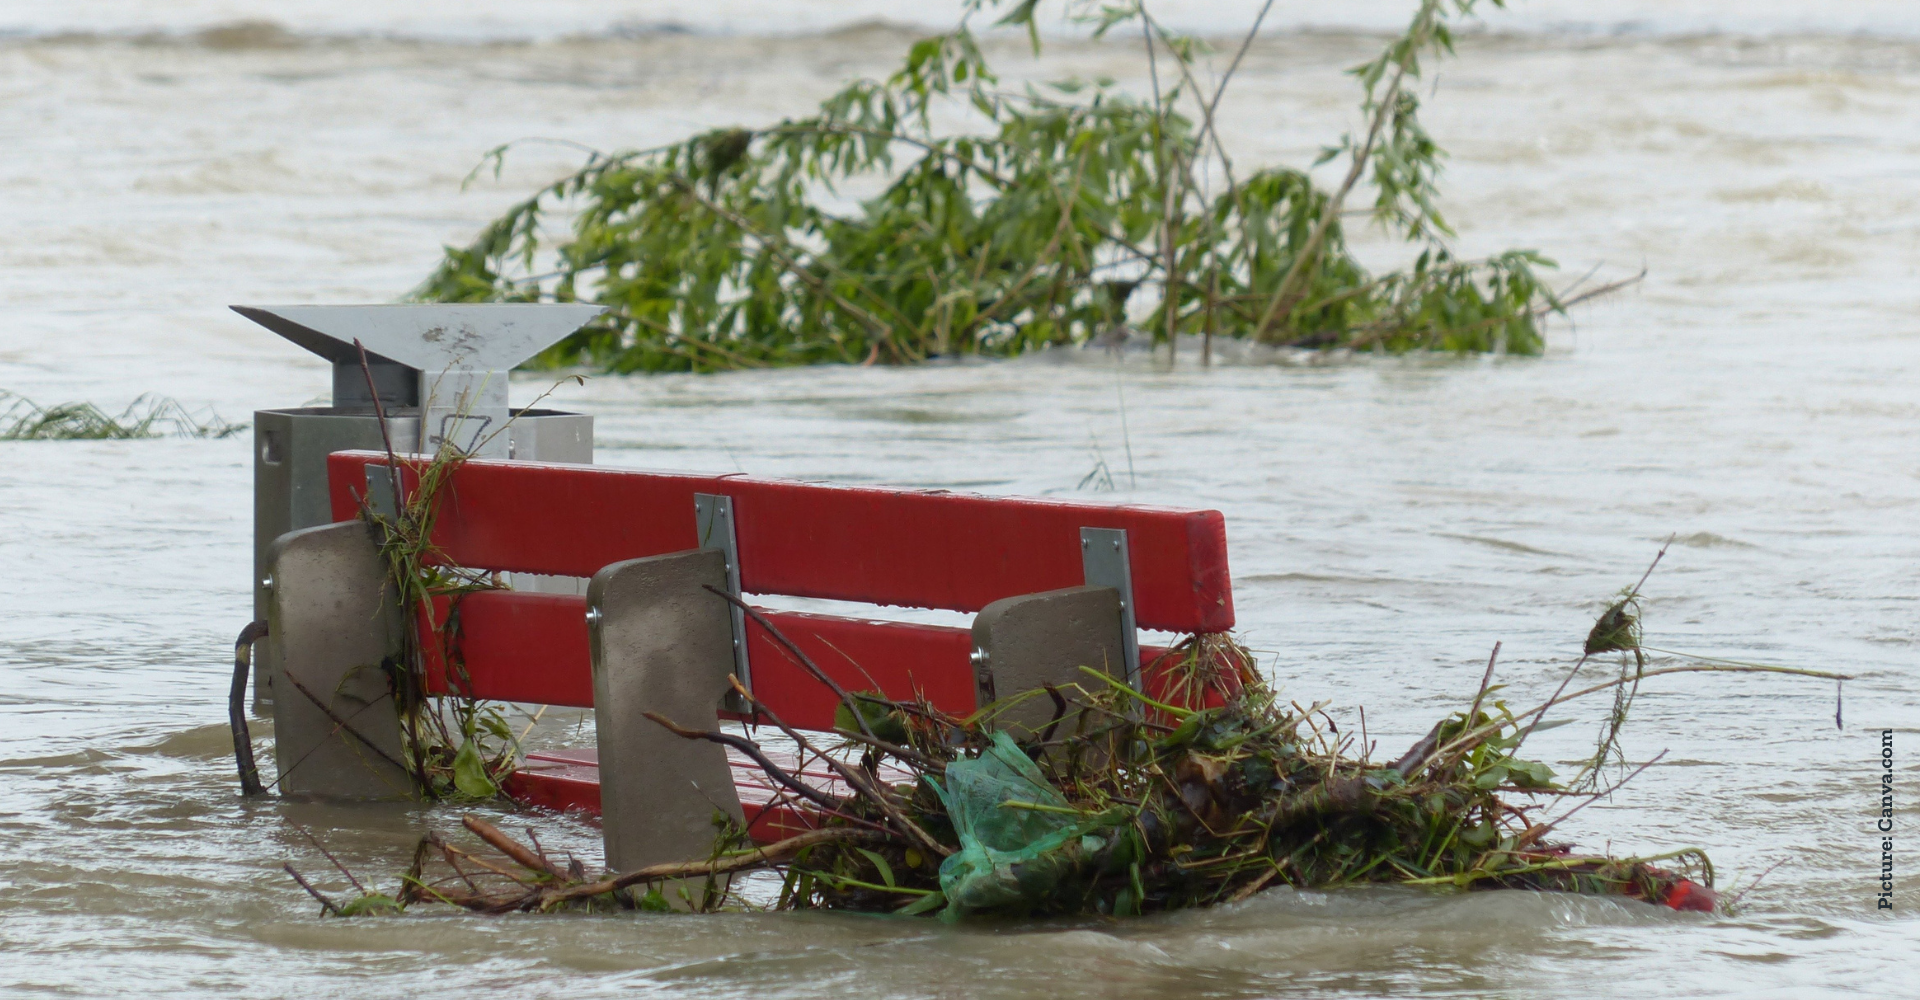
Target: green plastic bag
[{"x": 1011, "y": 858}]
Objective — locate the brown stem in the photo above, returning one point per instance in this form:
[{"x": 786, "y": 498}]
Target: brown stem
[
  {"x": 1485, "y": 679},
  {"x": 1259, "y": 883},
  {"x": 800, "y": 657},
  {"x": 770, "y": 854},
  {"x": 340, "y": 722},
  {"x": 326, "y": 904},
  {"x": 386, "y": 436},
  {"x": 453, "y": 852},
  {"x": 1417, "y": 755},
  {"x": 342, "y": 869},
  {"x": 1288, "y": 294},
  {"x": 1535, "y": 832},
  {"x": 510, "y": 847},
  {"x": 1473, "y": 736},
  {"x": 751, "y": 749},
  {"x": 852, "y": 776}
]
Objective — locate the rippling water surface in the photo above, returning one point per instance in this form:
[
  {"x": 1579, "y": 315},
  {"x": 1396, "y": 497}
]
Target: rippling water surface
[{"x": 1388, "y": 520}]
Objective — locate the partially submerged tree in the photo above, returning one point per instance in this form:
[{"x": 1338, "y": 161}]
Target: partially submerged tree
[{"x": 1031, "y": 227}]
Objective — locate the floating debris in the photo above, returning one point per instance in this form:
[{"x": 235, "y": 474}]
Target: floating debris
[
  {"x": 1121, "y": 805},
  {"x": 148, "y": 416}
]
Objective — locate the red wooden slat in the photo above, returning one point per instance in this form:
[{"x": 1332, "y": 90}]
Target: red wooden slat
[
  {"x": 560, "y": 782},
  {"x": 901, "y": 660},
  {"x": 533, "y": 648},
  {"x": 516, "y": 647},
  {"x": 914, "y": 548}
]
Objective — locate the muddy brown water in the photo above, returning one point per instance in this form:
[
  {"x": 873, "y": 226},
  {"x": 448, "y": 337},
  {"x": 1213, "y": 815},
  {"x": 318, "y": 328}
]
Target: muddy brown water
[{"x": 1388, "y": 520}]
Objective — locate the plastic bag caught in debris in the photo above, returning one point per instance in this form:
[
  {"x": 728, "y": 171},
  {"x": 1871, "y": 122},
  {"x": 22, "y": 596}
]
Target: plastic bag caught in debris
[{"x": 1018, "y": 837}]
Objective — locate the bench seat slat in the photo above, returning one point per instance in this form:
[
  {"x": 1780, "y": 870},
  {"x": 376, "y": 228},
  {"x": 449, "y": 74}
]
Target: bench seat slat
[{"x": 569, "y": 781}]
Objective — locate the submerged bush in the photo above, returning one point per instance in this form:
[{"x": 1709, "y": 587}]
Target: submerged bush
[{"x": 1032, "y": 226}]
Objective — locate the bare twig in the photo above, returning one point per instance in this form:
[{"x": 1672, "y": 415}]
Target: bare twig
[
  {"x": 326, "y": 904},
  {"x": 757, "y": 858},
  {"x": 1485, "y": 679},
  {"x": 1290, "y": 289},
  {"x": 799, "y": 656},
  {"x": 753, "y": 751},
  {"x": 315, "y": 841},
  {"x": 1534, "y": 833},
  {"x": 854, "y": 778},
  {"x": 340, "y": 722},
  {"x": 386, "y": 435},
  {"x": 521, "y": 855}
]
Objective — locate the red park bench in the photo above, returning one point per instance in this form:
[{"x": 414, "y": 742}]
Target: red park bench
[{"x": 1053, "y": 585}]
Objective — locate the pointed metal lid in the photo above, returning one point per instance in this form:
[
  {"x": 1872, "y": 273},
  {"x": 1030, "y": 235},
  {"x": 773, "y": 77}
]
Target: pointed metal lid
[{"x": 430, "y": 338}]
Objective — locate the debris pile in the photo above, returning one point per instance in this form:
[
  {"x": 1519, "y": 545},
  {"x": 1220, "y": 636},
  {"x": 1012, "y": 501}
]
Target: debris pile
[{"x": 1121, "y": 803}]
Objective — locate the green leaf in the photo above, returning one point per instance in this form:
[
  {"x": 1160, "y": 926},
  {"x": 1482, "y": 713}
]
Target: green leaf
[
  {"x": 373, "y": 904},
  {"x": 653, "y": 902},
  {"x": 470, "y": 773},
  {"x": 880, "y": 719},
  {"x": 886, "y": 870},
  {"x": 924, "y": 904},
  {"x": 1530, "y": 774}
]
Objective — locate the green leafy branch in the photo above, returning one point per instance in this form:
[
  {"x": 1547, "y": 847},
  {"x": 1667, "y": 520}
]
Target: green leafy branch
[{"x": 1029, "y": 226}]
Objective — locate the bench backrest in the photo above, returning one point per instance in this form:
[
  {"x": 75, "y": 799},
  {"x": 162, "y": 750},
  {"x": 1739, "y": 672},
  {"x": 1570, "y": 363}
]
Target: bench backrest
[{"x": 909, "y": 548}]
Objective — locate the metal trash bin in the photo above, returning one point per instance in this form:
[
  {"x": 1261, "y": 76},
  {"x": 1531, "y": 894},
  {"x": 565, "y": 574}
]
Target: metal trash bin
[{"x": 440, "y": 371}]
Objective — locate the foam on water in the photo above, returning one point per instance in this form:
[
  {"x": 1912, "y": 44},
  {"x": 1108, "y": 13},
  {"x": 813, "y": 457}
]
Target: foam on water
[{"x": 477, "y": 20}]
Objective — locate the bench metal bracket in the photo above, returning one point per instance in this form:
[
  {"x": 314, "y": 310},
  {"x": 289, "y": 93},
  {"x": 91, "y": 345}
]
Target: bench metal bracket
[
  {"x": 713, "y": 526},
  {"x": 380, "y": 492},
  {"x": 1104, "y": 562}
]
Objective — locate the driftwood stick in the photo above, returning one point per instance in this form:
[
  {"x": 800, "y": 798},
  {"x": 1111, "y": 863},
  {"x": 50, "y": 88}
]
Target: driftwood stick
[
  {"x": 453, "y": 856},
  {"x": 1417, "y": 755},
  {"x": 410, "y": 883},
  {"x": 453, "y": 852},
  {"x": 510, "y": 847},
  {"x": 315, "y": 841},
  {"x": 770, "y": 854},
  {"x": 1485, "y": 680}
]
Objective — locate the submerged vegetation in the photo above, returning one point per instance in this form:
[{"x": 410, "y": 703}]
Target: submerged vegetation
[
  {"x": 1120, "y": 804},
  {"x": 1047, "y": 217},
  {"x": 149, "y": 416}
]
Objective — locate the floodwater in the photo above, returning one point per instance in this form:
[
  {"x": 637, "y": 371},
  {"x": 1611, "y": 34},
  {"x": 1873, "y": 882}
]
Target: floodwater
[{"x": 1389, "y": 520}]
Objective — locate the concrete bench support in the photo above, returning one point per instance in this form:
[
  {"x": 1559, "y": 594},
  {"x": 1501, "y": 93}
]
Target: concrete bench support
[
  {"x": 332, "y": 613},
  {"x": 660, "y": 643},
  {"x": 1026, "y": 642}
]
